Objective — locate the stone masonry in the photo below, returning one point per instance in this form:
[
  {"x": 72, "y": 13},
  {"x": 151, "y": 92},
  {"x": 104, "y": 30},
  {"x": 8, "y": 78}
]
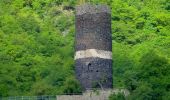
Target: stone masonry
[{"x": 93, "y": 45}]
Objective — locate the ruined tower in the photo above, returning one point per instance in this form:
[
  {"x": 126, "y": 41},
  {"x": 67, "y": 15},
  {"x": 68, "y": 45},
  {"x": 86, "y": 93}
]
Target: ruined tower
[{"x": 93, "y": 45}]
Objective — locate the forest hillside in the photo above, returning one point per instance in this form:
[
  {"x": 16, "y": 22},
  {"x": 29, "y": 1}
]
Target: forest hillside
[{"x": 37, "y": 47}]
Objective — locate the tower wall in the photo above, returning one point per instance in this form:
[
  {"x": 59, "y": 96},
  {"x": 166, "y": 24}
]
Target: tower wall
[{"x": 93, "y": 45}]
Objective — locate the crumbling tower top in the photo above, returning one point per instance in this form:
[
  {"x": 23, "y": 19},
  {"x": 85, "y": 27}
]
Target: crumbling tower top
[{"x": 91, "y": 9}]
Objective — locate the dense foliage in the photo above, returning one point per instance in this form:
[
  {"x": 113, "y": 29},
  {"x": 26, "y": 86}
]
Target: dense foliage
[{"x": 37, "y": 47}]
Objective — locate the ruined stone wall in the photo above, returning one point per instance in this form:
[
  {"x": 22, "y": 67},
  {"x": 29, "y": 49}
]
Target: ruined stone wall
[
  {"x": 94, "y": 95},
  {"x": 93, "y": 56}
]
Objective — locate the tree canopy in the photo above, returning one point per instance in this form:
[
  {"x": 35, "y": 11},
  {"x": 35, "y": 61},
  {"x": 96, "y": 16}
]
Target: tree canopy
[{"x": 37, "y": 47}]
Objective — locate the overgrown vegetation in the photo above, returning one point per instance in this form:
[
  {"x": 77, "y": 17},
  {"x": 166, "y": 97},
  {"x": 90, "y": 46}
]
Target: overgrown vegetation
[
  {"x": 118, "y": 96},
  {"x": 37, "y": 47}
]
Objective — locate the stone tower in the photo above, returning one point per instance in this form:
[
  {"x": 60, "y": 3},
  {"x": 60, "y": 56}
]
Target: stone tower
[{"x": 93, "y": 45}]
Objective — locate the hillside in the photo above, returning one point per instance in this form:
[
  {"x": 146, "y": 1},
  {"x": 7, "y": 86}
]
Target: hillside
[{"x": 37, "y": 47}]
